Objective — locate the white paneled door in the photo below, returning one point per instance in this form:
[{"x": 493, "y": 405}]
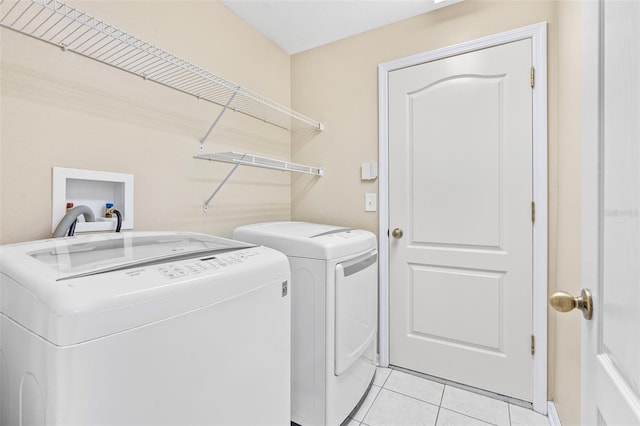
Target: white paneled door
[
  {"x": 611, "y": 213},
  {"x": 460, "y": 215}
]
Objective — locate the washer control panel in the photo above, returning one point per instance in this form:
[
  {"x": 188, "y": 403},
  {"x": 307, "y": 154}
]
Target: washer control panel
[{"x": 197, "y": 266}]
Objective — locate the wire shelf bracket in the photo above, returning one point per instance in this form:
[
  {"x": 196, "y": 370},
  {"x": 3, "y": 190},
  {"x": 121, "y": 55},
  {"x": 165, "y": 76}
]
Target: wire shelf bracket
[
  {"x": 59, "y": 24},
  {"x": 215, "y": 122},
  {"x": 254, "y": 161}
]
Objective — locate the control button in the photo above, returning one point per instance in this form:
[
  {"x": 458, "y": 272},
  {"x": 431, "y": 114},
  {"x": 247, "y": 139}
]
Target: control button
[{"x": 173, "y": 271}]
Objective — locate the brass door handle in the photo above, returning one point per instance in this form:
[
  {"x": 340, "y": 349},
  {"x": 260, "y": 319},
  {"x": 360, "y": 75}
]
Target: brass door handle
[
  {"x": 564, "y": 302},
  {"x": 397, "y": 233}
]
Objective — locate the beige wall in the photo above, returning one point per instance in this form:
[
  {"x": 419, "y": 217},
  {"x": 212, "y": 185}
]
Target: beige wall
[
  {"x": 60, "y": 109},
  {"x": 337, "y": 83}
]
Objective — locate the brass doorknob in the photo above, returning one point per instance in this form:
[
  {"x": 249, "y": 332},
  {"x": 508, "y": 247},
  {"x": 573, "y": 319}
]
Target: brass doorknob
[
  {"x": 564, "y": 302},
  {"x": 397, "y": 233}
]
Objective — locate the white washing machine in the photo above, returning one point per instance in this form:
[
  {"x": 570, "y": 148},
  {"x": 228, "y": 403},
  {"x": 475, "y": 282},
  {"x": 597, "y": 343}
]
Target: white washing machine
[
  {"x": 144, "y": 329},
  {"x": 334, "y": 288}
]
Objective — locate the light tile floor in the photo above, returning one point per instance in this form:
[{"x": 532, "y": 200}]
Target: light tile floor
[{"x": 400, "y": 399}]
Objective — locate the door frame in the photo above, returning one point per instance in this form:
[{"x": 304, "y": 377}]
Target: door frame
[
  {"x": 537, "y": 33},
  {"x": 592, "y": 136}
]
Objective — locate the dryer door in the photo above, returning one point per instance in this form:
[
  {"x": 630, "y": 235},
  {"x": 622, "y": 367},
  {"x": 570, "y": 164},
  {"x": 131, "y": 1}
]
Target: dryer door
[{"x": 356, "y": 303}]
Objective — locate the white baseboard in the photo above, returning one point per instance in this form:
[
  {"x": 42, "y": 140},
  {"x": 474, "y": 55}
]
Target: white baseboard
[{"x": 552, "y": 413}]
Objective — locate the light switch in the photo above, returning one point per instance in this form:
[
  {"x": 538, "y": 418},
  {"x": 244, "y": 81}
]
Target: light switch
[{"x": 370, "y": 202}]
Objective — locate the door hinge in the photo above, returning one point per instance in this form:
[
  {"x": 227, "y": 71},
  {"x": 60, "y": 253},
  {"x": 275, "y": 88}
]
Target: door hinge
[
  {"x": 533, "y": 77},
  {"x": 533, "y": 212},
  {"x": 533, "y": 345}
]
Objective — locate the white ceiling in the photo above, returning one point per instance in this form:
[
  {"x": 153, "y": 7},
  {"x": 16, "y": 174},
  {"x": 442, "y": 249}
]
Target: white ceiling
[{"x": 299, "y": 25}]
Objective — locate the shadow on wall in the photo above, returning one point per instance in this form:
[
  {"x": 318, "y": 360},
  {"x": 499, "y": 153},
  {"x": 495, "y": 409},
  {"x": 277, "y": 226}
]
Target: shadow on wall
[
  {"x": 166, "y": 111},
  {"x": 40, "y": 87},
  {"x": 301, "y": 186},
  {"x": 300, "y": 136}
]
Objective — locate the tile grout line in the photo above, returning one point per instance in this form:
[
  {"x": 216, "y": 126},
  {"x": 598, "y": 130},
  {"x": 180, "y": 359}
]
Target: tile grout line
[
  {"x": 376, "y": 397},
  {"x": 463, "y": 414},
  {"x": 469, "y": 416},
  {"x": 386, "y": 379},
  {"x": 364, "y": 416},
  {"x": 442, "y": 396},
  {"x": 426, "y": 402},
  {"x": 413, "y": 397},
  {"x": 408, "y": 396},
  {"x": 440, "y": 405},
  {"x": 457, "y": 385}
]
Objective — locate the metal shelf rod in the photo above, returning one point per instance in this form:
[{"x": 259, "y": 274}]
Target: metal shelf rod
[
  {"x": 205, "y": 207},
  {"x": 204, "y": 138}
]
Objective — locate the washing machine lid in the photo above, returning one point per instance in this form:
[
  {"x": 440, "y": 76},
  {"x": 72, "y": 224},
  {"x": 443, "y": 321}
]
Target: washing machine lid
[
  {"x": 72, "y": 290},
  {"x": 310, "y": 240},
  {"x": 70, "y": 258}
]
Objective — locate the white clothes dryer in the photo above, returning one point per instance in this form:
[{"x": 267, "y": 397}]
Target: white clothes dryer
[
  {"x": 334, "y": 290},
  {"x": 144, "y": 329}
]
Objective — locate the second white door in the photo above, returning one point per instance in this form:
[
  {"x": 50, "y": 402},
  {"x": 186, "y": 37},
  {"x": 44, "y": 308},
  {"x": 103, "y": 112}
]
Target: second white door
[
  {"x": 610, "y": 380},
  {"x": 460, "y": 193}
]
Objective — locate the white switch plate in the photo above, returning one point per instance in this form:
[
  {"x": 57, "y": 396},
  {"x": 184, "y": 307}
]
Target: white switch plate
[{"x": 370, "y": 203}]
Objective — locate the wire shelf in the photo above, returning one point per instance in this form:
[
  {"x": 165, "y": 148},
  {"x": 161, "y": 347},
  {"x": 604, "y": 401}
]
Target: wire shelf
[
  {"x": 258, "y": 161},
  {"x": 57, "y": 23}
]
